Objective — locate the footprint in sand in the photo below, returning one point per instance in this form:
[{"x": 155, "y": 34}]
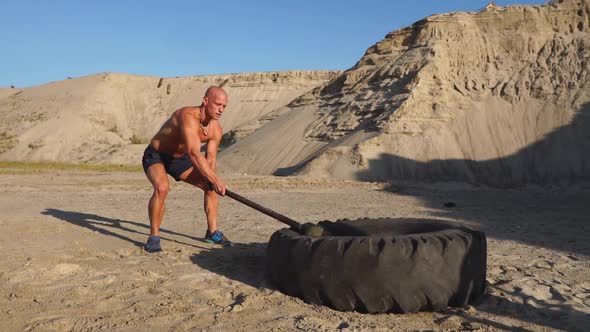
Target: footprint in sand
[
  {"x": 533, "y": 289},
  {"x": 103, "y": 280},
  {"x": 584, "y": 295},
  {"x": 508, "y": 268},
  {"x": 63, "y": 270},
  {"x": 191, "y": 280},
  {"x": 216, "y": 295},
  {"x": 542, "y": 264},
  {"x": 147, "y": 275}
]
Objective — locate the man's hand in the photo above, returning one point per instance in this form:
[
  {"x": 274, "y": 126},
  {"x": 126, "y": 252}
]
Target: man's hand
[{"x": 219, "y": 186}]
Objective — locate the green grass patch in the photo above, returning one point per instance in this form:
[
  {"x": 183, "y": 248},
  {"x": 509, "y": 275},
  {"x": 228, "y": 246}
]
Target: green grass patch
[{"x": 9, "y": 167}]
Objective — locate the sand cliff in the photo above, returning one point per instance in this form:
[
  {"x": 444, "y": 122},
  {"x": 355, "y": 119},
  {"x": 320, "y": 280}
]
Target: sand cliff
[
  {"x": 108, "y": 118},
  {"x": 499, "y": 96}
]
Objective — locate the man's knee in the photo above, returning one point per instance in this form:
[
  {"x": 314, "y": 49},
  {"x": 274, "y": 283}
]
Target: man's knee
[{"x": 161, "y": 189}]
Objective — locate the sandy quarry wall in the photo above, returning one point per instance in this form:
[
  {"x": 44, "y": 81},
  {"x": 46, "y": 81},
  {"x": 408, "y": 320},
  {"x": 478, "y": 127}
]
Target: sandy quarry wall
[
  {"x": 499, "y": 96},
  {"x": 109, "y": 117}
]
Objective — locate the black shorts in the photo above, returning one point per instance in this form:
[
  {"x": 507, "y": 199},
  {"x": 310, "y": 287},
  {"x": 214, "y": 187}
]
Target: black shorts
[{"x": 174, "y": 166}]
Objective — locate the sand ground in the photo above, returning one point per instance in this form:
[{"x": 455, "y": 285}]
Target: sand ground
[{"x": 72, "y": 259}]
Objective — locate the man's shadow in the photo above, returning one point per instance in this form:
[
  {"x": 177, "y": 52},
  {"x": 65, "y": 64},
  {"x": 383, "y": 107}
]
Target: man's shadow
[{"x": 109, "y": 226}]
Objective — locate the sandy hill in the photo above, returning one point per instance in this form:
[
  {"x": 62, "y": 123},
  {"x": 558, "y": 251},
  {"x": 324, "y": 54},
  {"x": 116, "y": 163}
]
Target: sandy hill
[
  {"x": 500, "y": 96},
  {"x": 5, "y": 92},
  {"x": 108, "y": 118}
]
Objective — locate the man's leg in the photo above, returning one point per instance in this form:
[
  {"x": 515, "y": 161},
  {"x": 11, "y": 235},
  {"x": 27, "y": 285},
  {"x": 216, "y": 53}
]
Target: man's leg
[
  {"x": 159, "y": 179},
  {"x": 211, "y": 206},
  {"x": 211, "y": 202}
]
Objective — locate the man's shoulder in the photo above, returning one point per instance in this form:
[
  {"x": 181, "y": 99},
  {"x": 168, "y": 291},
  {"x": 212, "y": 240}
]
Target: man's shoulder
[{"x": 188, "y": 109}]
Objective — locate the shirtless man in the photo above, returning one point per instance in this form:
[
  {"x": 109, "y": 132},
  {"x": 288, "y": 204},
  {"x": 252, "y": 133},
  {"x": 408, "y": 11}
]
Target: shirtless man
[{"x": 176, "y": 150}]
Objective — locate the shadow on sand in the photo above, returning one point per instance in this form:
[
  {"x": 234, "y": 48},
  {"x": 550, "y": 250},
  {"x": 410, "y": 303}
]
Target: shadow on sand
[
  {"x": 527, "y": 309},
  {"x": 245, "y": 263},
  {"x": 545, "y": 219},
  {"x": 242, "y": 262},
  {"x": 562, "y": 157},
  {"x": 117, "y": 228}
]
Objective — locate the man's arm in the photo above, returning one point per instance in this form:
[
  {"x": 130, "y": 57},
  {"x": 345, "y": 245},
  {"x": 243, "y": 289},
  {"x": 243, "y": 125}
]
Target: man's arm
[
  {"x": 189, "y": 128},
  {"x": 212, "y": 147}
]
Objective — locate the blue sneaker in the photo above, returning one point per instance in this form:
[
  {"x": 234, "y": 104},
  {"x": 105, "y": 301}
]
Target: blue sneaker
[
  {"x": 153, "y": 244},
  {"x": 217, "y": 237}
]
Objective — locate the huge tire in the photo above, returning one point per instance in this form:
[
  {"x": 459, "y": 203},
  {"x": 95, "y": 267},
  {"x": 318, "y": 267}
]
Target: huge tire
[{"x": 381, "y": 265}]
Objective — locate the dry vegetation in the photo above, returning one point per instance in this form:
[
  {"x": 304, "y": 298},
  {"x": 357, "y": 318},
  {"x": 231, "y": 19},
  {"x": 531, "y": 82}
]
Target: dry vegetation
[{"x": 19, "y": 167}]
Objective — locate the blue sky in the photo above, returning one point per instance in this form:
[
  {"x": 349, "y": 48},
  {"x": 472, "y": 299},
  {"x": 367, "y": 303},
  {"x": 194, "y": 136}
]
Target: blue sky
[{"x": 45, "y": 41}]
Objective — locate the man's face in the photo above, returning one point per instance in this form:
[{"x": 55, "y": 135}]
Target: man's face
[{"x": 215, "y": 105}]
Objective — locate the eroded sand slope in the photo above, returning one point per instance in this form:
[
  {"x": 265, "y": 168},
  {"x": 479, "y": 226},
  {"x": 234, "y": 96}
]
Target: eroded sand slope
[
  {"x": 108, "y": 118},
  {"x": 499, "y": 96}
]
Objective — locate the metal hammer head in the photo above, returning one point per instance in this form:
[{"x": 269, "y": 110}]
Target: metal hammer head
[{"x": 313, "y": 230}]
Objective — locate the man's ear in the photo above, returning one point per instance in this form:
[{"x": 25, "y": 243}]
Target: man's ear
[{"x": 205, "y": 101}]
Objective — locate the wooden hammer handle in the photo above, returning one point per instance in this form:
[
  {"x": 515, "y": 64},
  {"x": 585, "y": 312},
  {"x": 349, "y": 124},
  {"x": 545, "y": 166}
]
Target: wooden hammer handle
[{"x": 263, "y": 209}]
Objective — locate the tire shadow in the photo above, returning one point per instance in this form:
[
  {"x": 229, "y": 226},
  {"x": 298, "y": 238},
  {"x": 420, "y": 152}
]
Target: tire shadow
[{"x": 244, "y": 263}]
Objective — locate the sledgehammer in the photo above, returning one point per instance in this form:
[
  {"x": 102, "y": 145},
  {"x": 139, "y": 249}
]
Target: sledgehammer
[{"x": 308, "y": 229}]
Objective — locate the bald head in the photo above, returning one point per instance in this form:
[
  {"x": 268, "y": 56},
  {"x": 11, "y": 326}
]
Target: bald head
[
  {"x": 214, "y": 102},
  {"x": 214, "y": 91}
]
